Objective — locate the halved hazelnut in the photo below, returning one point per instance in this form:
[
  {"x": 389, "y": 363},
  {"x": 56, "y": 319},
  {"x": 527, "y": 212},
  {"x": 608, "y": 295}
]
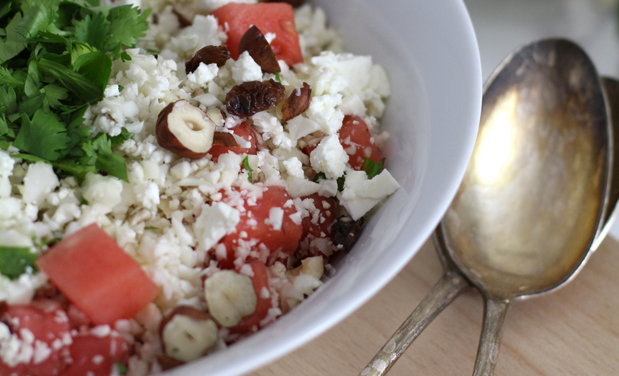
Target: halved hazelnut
[
  {"x": 313, "y": 266},
  {"x": 225, "y": 139},
  {"x": 208, "y": 55},
  {"x": 187, "y": 333},
  {"x": 254, "y": 42},
  {"x": 230, "y": 297},
  {"x": 185, "y": 130},
  {"x": 297, "y": 103},
  {"x": 184, "y": 15}
]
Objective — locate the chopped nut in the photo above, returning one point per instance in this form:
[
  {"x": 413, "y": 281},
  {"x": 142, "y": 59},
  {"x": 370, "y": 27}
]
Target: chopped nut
[
  {"x": 313, "y": 266},
  {"x": 259, "y": 49},
  {"x": 249, "y": 98},
  {"x": 297, "y": 103},
  {"x": 225, "y": 139},
  {"x": 216, "y": 115},
  {"x": 208, "y": 55},
  {"x": 184, "y": 15},
  {"x": 187, "y": 333},
  {"x": 230, "y": 297},
  {"x": 185, "y": 130}
]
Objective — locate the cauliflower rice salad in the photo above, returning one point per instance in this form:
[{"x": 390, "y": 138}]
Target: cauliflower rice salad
[{"x": 233, "y": 149}]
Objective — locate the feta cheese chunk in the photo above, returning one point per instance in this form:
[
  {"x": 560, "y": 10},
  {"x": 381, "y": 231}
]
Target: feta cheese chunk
[
  {"x": 245, "y": 69},
  {"x": 38, "y": 182},
  {"x": 214, "y": 223},
  {"x": 361, "y": 194},
  {"x": 103, "y": 190},
  {"x": 323, "y": 110},
  {"x": 329, "y": 157}
]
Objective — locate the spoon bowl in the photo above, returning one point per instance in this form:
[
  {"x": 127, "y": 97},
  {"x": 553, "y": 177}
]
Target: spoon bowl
[{"x": 534, "y": 194}]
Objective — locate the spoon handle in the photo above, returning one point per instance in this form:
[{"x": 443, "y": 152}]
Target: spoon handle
[
  {"x": 443, "y": 293},
  {"x": 488, "y": 351}
]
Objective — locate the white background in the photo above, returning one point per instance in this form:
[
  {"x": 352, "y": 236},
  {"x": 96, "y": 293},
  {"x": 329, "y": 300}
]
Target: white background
[{"x": 503, "y": 25}]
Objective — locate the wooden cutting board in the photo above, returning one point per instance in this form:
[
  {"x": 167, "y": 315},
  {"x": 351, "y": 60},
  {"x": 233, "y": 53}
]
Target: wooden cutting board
[{"x": 574, "y": 331}]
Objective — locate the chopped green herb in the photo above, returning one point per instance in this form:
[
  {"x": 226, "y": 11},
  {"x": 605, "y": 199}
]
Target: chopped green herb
[
  {"x": 15, "y": 260},
  {"x": 120, "y": 88},
  {"x": 154, "y": 52},
  {"x": 121, "y": 368},
  {"x": 319, "y": 176},
  {"x": 277, "y": 78},
  {"x": 340, "y": 183},
  {"x": 248, "y": 168},
  {"x": 372, "y": 168},
  {"x": 151, "y": 228},
  {"x": 55, "y": 60}
]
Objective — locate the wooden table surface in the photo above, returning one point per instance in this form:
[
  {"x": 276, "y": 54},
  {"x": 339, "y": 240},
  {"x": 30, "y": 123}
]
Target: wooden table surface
[{"x": 574, "y": 331}]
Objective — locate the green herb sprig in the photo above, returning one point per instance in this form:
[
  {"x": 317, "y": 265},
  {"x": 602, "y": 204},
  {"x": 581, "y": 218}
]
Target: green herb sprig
[{"x": 55, "y": 60}]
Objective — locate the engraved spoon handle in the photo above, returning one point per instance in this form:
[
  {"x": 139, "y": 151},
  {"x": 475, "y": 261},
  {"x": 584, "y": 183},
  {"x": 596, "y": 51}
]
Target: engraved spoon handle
[
  {"x": 495, "y": 310},
  {"x": 443, "y": 293}
]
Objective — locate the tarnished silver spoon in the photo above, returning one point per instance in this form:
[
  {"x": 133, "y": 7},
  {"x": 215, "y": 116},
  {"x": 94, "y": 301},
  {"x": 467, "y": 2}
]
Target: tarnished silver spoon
[{"x": 532, "y": 200}]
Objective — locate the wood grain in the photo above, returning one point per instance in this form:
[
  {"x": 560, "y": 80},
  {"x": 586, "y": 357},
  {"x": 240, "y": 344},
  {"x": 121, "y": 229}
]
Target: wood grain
[{"x": 574, "y": 331}]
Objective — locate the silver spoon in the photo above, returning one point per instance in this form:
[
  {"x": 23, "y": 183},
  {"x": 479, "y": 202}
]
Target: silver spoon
[{"x": 525, "y": 217}]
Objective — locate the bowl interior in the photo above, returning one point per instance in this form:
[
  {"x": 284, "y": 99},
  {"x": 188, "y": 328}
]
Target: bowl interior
[{"x": 429, "y": 51}]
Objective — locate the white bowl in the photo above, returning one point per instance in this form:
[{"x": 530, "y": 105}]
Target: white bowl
[{"x": 430, "y": 53}]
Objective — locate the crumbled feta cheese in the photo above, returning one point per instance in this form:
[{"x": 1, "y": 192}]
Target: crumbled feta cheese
[
  {"x": 102, "y": 190},
  {"x": 294, "y": 167},
  {"x": 203, "y": 74},
  {"x": 214, "y": 223},
  {"x": 245, "y": 69},
  {"x": 329, "y": 157},
  {"x": 360, "y": 194},
  {"x": 324, "y": 111},
  {"x": 276, "y": 217},
  {"x": 38, "y": 182},
  {"x": 301, "y": 126}
]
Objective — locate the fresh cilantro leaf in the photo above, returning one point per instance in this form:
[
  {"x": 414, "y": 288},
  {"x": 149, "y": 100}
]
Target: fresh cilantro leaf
[
  {"x": 92, "y": 30},
  {"x": 99, "y": 150},
  {"x": 44, "y": 136},
  {"x": 31, "y": 105},
  {"x": 28, "y": 157},
  {"x": 277, "y": 77},
  {"x": 340, "y": 183},
  {"x": 121, "y": 368},
  {"x": 74, "y": 169},
  {"x": 95, "y": 66},
  {"x": 151, "y": 228},
  {"x": 5, "y": 8},
  {"x": 82, "y": 87},
  {"x": 15, "y": 260},
  {"x": 14, "y": 43},
  {"x": 248, "y": 168},
  {"x": 122, "y": 137},
  {"x": 31, "y": 87},
  {"x": 4, "y": 127},
  {"x": 36, "y": 17},
  {"x": 372, "y": 168},
  {"x": 319, "y": 176},
  {"x": 8, "y": 100},
  {"x": 154, "y": 52},
  {"x": 127, "y": 23},
  {"x": 54, "y": 94},
  {"x": 120, "y": 88},
  {"x": 6, "y": 78}
]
